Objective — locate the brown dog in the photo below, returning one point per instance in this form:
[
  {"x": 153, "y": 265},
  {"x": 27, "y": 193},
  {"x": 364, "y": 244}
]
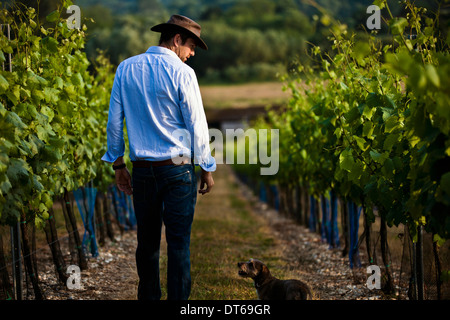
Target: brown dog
[{"x": 271, "y": 288}]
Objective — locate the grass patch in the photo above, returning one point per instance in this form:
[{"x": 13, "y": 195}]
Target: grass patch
[{"x": 219, "y": 242}]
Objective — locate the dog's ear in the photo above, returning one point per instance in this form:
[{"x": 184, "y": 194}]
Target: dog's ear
[
  {"x": 261, "y": 267},
  {"x": 264, "y": 270}
]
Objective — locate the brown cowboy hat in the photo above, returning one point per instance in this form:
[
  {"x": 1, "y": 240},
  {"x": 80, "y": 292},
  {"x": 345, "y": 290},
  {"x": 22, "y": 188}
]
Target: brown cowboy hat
[{"x": 177, "y": 21}]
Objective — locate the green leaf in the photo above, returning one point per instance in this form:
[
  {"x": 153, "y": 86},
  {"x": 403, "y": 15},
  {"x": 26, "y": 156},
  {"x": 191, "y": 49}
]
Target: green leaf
[
  {"x": 2, "y": 110},
  {"x": 5, "y": 185},
  {"x": 77, "y": 80},
  {"x": 41, "y": 133},
  {"x": 361, "y": 143},
  {"x": 399, "y": 63},
  {"x": 59, "y": 83},
  {"x": 432, "y": 75},
  {"x": 440, "y": 241},
  {"x": 37, "y": 185},
  {"x": 390, "y": 141},
  {"x": 51, "y": 95},
  {"x": 378, "y": 157},
  {"x": 51, "y": 154},
  {"x": 14, "y": 94},
  {"x": 48, "y": 112},
  {"x": 25, "y": 93},
  {"x": 56, "y": 142},
  {"x": 304, "y": 154},
  {"x": 4, "y": 84},
  {"x": 352, "y": 115},
  {"x": 47, "y": 200},
  {"x": 343, "y": 86},
  {"x": 37, "y": 96},
  {"x": 368, "y": 112},
  {"x": 380, "y": 3},
  {"x": 391, "y": 124},
  {"x": 15, "y": 120},
  {"x": 325, "y": 19},
  {"x": 368, "y": 129},
  {"x": 397, "y": 25},
  {"x": 360, "y": 51},
  {"x": 7, "y": 132},
  {"x": 43, "y": 209},
  {"x": 388, "y": 168},
  {"x": 32, "y": 142},
  {"x": 373, "y": 100},
  {"x": 52, "y": 16},
  {"x": 18, "y": 171},
  {"x": 388, "y": 102},
  {"x": 35, "y": 79},
  {"x": 356, "y": 171},
  {"x": 387, "y": 112},
  {"x": 417, "y": 76},
  {"x": 51, "y": 44},
  {"x": 25, "y": 148},
  {"x": 346, "y": 160},
  {"x": 71, "y": 91},
  {"x": 32, "y": 23},
  {"x": 397, "y": 163}
]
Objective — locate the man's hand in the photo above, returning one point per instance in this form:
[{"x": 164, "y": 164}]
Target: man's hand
[
  {"x": 206, "y": 179},
  {"x": 123, "y": 178}
]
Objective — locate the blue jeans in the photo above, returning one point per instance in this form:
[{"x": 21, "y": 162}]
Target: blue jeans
[{"x": 164, "y": 194}]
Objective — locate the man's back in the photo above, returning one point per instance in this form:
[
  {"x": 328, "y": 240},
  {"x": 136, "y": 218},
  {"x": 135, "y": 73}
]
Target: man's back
[{"x": 158, "y": 94}]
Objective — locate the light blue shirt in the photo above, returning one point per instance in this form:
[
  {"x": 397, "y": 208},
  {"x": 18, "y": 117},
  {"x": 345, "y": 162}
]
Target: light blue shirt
[{"x": 159, "y": 98}]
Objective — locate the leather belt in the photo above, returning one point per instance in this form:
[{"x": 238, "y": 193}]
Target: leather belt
[{"x": 148, "y": 164}]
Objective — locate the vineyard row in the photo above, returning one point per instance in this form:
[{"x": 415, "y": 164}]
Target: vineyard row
[
  {"x": 369, "y": 121},
  {"x": 53, "y": 106}
]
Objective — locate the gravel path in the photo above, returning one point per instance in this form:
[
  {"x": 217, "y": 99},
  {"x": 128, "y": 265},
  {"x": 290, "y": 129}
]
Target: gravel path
[{"x": 307, "y": 257}]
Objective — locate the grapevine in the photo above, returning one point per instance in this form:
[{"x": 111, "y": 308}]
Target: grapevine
[
  {"x": 370, "y": 121},
  {"x": 51, "y": 109}
]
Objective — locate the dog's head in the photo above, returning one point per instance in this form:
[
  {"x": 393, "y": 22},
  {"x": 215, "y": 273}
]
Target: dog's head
[{"x": 252, "y": 268}]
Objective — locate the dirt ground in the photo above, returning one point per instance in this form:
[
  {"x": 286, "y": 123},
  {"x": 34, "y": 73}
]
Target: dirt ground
[{"x": 112, "y": 275}]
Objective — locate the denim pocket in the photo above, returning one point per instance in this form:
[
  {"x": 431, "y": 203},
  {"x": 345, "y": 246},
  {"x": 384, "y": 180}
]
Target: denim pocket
[{"x": 179, "y": 186}]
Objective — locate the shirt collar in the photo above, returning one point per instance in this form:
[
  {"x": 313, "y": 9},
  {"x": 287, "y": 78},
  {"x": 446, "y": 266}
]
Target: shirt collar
[{"x": 162, "y": 50}]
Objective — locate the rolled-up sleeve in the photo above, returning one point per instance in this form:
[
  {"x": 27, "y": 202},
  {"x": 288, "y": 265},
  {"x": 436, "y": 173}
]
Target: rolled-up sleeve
[
  {"x": 114, "y": 128},
  {"x": 195, "y": 119}
]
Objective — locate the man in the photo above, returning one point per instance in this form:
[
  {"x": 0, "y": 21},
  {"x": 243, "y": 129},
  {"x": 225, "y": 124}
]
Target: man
[{"x": 158, "y": 96}]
